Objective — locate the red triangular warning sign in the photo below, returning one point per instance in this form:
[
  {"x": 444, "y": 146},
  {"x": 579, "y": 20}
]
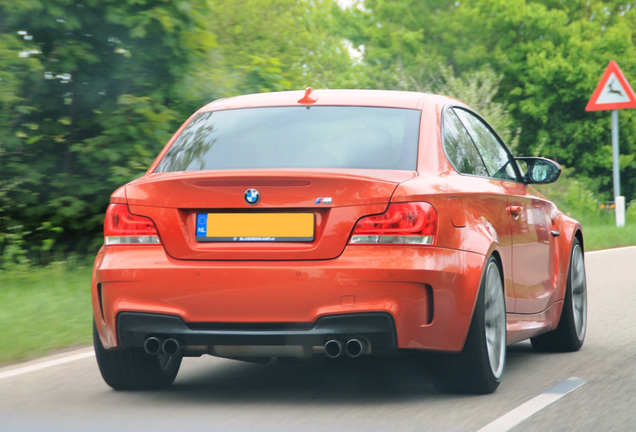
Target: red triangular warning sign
[{"x": 612, "y": 92}]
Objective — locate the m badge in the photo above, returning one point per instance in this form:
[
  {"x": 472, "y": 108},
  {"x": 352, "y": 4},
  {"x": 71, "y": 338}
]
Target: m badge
[{"x": 324, "y": 201}]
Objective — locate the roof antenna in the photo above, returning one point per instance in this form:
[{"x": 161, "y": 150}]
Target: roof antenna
[{"x": 308, "y": 99}]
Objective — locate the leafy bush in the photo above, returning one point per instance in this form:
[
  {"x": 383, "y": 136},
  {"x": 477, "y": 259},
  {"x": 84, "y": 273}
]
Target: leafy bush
[
  {"x": 630, "y": 212},
  {"x": 576, "y": 197}
]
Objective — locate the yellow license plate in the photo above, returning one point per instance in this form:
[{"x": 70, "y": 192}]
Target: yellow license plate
[{"x": 255, "y": 227}]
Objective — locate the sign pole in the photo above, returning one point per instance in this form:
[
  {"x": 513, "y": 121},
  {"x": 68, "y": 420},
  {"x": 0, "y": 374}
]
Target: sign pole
[
  {"x": 617, "y": 174},
  {"x": 619, "y": 201}
]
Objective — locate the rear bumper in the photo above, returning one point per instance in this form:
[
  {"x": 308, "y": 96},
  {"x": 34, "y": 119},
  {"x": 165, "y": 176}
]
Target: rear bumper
[
  {"x": 428, "y": 293},
  {"x": 377, "y": 330}
]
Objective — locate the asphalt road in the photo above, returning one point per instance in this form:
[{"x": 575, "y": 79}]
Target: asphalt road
[{"x": 62, "y": 393}]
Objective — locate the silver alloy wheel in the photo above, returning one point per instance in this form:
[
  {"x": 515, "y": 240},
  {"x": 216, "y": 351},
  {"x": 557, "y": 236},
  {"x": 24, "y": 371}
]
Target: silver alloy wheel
[
  {"x": 579, "y": 292},
  {"x": 495, "y": 320}
]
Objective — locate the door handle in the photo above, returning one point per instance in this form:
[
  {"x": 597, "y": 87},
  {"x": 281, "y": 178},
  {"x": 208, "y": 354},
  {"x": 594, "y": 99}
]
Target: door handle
[{"x": 514, "y": 211}]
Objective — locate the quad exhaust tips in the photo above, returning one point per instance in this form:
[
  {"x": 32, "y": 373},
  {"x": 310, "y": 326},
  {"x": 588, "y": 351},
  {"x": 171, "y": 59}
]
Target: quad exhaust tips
[
  {"x": 333, "y": 348},
  {"x": 353, "y": 348},
  {"x": 154, "y": 346}
]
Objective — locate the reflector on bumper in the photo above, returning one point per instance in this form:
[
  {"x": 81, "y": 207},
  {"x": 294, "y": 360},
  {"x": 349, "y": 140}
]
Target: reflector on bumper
[
  {"x": 392, "y": 239},
  {"x": 118, "y": 240}
]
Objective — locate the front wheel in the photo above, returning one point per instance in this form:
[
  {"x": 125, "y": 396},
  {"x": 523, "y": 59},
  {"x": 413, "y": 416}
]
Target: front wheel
[
  {"x": 133, "y": 369},
  {"x": 479, "y": 367},
  {"x": 570, "y": 333}
]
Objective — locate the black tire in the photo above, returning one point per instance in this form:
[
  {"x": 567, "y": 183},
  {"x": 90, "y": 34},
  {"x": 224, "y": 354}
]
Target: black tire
[
  {"x": 570, "y": 333},
  {"x": 133, "y": 369},
  {"x": 478, "y": 369}
]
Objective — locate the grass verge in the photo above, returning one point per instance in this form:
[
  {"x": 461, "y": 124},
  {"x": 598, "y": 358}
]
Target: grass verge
[
  {"x": 43, "y": 309},
  {"x": 608, "y": 236}
]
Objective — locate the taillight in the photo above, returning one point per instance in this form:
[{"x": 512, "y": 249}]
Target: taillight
[
  {"x": 402, "y": 223},
  {"x": 123, "y": 227}
]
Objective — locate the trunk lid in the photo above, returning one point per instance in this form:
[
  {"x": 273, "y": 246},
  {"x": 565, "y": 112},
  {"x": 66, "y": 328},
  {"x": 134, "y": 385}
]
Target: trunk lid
[{"x": 335, "y": 198}]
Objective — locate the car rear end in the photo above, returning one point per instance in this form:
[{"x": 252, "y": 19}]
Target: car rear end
[{"x": 269, "y": 228}]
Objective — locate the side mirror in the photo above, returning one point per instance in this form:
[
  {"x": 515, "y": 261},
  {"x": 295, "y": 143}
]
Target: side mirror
[{"x": 540, "y": 170}]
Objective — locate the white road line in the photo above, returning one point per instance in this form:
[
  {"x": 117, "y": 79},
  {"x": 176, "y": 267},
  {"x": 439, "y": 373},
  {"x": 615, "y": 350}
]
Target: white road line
[
  {"x": 533, "y": 406},
  {"x": 594, "y": 252},
  {"x": 46, "y": 364}
]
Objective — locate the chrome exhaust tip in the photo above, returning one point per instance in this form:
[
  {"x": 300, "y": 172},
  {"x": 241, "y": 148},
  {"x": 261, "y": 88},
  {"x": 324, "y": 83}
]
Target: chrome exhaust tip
[
  {"x": 170, "y": 346},
  {"x": 152, "y": 346},
  {"x": 356, "y": 347},
  {"x": 333, "y": 348}
]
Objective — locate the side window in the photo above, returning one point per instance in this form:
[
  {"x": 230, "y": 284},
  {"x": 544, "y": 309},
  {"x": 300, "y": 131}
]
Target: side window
[
  {"x": 497, "y": 159},
  {"x": 460, "y": 148}
]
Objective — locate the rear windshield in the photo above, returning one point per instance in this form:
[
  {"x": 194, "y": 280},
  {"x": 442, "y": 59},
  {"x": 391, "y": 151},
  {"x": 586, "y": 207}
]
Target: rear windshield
[{"x": 297, "y": 137}]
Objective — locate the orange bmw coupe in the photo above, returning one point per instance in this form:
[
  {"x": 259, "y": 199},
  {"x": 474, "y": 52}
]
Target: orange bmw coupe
[{"x": 336, "y": 223}]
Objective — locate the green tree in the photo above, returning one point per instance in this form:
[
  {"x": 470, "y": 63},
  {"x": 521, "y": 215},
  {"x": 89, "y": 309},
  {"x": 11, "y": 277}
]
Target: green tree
[
  {"x": 550, "y": 55},
  {"x": 93, "y": 91},
  {"x": 272, "y": 45}
]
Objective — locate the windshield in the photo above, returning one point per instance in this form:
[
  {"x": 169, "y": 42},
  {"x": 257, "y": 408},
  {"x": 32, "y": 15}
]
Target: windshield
[{"x": 297, "y": 137}]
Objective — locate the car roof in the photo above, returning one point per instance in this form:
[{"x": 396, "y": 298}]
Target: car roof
[{"x": 380, "y": 98}]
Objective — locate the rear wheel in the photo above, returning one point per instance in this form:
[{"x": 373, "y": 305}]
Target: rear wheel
[
  {"x": 479, "y": 367},
  {"x": 133, "y": 369},
  {"x": 570, "y": 333}
]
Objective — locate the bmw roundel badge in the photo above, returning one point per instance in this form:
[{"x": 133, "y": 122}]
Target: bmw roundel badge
[{"x": 252, "y": 196}]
